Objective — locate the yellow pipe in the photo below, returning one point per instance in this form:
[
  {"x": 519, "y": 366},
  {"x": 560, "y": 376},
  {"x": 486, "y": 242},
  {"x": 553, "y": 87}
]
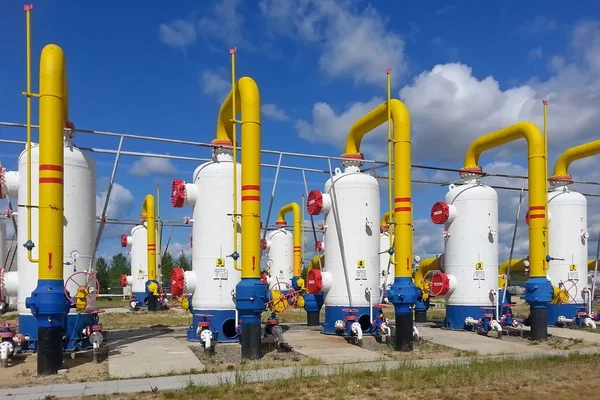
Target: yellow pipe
[
  {"x": 426, "y": 265},
  {"x": 385, "y": 220},
  {"x": 302, "y": 235},
  {"x": 538, "y": 201},
  {"x": 158, "y": 233},
  {"x": 148, "y": 213},
  {"x": 403, "y": 230},
  {"x": 295, "y": 208},
  {"x": 515, "y": 265},
  {"x": 592, "y": 265},
  {"x": 390, "y": 155},
  {"x": 561, "y": 168},
  {"x": 317, "y": 262},
  {"x": 249, "y": 106},
  {"x": 234, "y": 143},
  {"x": 52, "y": 76}
]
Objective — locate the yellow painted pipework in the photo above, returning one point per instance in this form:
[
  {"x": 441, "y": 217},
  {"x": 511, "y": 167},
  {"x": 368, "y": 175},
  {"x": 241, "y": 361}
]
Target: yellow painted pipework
[
  {"x": 537, "y": 177},
  {"x": 515, "y": 265},
  {"x": 247, "y": 92},
  {"x": 592, "y": 265},
  {"x": 295, "y": 208},
  {"x": 403, "y": 230},
  {"x": 561, "y": 168},
  {"x": 385, "y": 220},
  {"x": 317, "y": 262},
  {"x": 426, "y": 265},
  {"x": 52, "y": 76},
  {"x": 149, "y": 214}
]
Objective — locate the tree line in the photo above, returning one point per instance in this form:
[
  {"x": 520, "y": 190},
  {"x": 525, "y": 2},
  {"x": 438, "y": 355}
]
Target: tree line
[{"x": 109, "y": 275}]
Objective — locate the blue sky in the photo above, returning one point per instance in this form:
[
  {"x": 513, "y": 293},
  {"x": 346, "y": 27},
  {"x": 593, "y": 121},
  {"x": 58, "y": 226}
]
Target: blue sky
[{"x": 463, "y": 69}]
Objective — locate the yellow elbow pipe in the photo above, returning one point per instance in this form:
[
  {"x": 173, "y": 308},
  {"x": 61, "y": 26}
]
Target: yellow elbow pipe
[
  {"x": 316, "y": 262},
  {"x": 385, "y": 220},
  {"x": 52, "y": 76},
  {"x": 537, "y": 176},
  {"x": 247, "y": 92},
  {"x": 295, "y": 208},
  {"x": 515, "y": 265},
  {"x": 561, "y": 168},
  {"x": 403, "y": 230},
  {"x": 426, "y": 265},
  {"x": 149, "y": 214}
]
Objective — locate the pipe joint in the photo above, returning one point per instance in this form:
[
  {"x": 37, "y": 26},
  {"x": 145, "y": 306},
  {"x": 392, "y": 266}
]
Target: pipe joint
[
  {"x": 48, "y": 303},
  {"x": 10, "y": 185},
  {"x": 403, "y": 294},
  {"x": 317, "y": 203},
  {"x": 183, "y": 193},
  {"x": 29, "y": 245},
  {"x": 250, "y": 298},
  {"x": 538, "y": 291},
  {"x": 353, "y": 160}
]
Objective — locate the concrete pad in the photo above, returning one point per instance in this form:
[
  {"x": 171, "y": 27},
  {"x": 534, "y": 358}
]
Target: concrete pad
[
  {"x": 471, "y": 341},
  {"x": 567, "y": 333},
  {"x": 146, "y": 355},
  {"x": 328, "y": 348}
]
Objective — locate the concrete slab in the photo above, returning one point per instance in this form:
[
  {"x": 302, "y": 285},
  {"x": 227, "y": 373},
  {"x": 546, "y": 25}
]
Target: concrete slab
[
  {"x": 470, "y": 341},
  {"x": 149, "y": 355},
  {"x": 567, "y": 333},
  {"x": 329, "y": 349}
]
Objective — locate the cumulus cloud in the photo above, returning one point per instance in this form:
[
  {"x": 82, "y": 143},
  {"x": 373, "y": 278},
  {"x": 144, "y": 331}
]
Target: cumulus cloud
[
  {"x": 215, "y": 85},
  {"x": 177, "y": 34},
  {"x": 274, "y": 112},
  {"x": 146, "y": 166},
  {"x": 175, "y": 249},
  {"x": 224, "y": 23},
  {"x": 353, "y": 42},
  {"x": 119, "y": 204}
]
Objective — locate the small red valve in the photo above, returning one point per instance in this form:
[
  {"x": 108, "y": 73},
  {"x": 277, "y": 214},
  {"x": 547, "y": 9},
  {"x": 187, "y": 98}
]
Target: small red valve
[
  {"x": 440, "y": 284},
  {"x": 123, "y": 280},
  {"x": 314, "y": 281},
  {"x": 314, "y": 202},
  {"x": 123, "y": 240},
  {"x": 177, "y": 282},
  {"x": 440, "y": 212},
  {"x": 178, "y": 193}
]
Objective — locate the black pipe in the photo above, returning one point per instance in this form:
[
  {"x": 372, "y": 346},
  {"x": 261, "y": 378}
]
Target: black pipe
[
  {"x": 152, "y": 302},
  {"x": 251, "y": 335},
  {"x": 49, "y": 350},
  {"x": 420, "y": 316},
  {"x": 312, "y": 318},
  {"x": 539, "y": 328},
  {"x": 404, "y": 331}
]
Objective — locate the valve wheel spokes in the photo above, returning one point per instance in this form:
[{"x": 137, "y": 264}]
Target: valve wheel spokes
[{"x": 89, "y": 281}]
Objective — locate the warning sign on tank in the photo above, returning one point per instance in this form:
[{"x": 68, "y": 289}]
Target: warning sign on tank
[
  {"x": 220, "y": 273},
  {"x": 479, "y": 275},
  {"x": 220, "y": 262},
  {"x": 361, "y": 275}
]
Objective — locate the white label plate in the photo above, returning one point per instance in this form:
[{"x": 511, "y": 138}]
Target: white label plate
[
  {"x": 220, "y": 273},
  {"x": 479, "y": 275},
  {"x": 573, "y": 275},
  {"x": 361, "y": 275}
]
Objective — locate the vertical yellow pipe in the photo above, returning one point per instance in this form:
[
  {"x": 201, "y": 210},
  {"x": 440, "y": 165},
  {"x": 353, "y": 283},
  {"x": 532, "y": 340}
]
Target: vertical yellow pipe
[
  {"x": 28, "y": 94},
  {"x": 234, "y": 141},
  {"x": 302, "y": 237},
  {"x": 148, "y": 213},
  {"x": 52, "y": 74},
  {"x": 295, "y": 208},
  {"x": 158, "y": 232},
  {"x": 390, "y": 157}
]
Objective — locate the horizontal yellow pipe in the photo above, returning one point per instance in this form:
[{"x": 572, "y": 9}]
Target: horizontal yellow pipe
[
  {"x": 515, "y": 265},
  {"x": 537, "y": 178},
  {"x": 426, "y": 265},
  {"x": 295, "y": 208},
  {"x": 51, "y": 200},
  {"x": 592, "y": 265},
  {"x": 247, "y": 92},
  {"x": 317, "y": 262},
  {"x": 148, "y": 213},
  {"x": 403, "y": 230},
  {"x": 561, "y": 168}
]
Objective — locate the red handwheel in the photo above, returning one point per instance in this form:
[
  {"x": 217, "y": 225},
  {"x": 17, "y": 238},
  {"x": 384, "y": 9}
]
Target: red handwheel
[{"x": 73, "y": 285}]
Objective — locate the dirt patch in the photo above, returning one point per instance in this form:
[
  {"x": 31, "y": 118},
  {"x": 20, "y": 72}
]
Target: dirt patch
[{"x": 22, "y": 370}]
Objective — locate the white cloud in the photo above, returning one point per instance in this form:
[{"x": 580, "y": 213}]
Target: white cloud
[
  {"x": 352, "y": 41},
  {"x": 177, "y": 34},
  {"x": 215, "y": 85},
  {"x": 540, "y": 25},
  {"x": 225, "y": 23},
  {"x": 535, "y": 54},
  {"x": 119, "y": 204},
  {"x": 175, "y": 249},
  {"x": 146, "y": 166},
  {"x": 274, "y": 112}
]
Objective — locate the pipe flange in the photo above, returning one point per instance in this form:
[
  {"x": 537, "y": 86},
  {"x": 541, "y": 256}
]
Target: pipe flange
[
  {"x": 178, "y": 193},
  {"x": 561, "y": 180},
  {"x": 353, "y": 160},
  {"x": 471, "y": 173},
  {"x": 218, "y": 148},
  {"x": 69, "y": 130}
]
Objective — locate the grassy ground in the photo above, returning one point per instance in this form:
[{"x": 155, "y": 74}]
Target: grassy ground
[
  {"x": 478, "y": 380},
  {"x": 145, "y": 319}
]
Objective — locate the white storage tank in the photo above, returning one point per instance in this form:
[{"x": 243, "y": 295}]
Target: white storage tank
[
  {"x": 139, "y": 261},
  {"x": 279, "y": 244},
  {"x": 568, "y": 240},
  {"x": 3, "y": 243},
  {"x": 470, "y": 268},
  {"x": 79, "y": 235},
  {"x": 358, "y": 208},
  {"x": 211, "y": 195}
]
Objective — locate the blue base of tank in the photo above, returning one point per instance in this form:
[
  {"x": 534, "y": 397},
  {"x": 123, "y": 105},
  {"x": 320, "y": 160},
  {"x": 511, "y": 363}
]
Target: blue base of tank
[
  {"x": 456, "y": 315},
  {"x": 222, "y": 324},
  {"x": 334, "y": 313},
  {"x": 565, "y": 310},
  {"x": 75, "y": 325},
  {"x": 141, "y": 298}
]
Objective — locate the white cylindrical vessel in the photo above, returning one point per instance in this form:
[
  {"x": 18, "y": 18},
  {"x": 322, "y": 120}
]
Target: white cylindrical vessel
[
  {"x": 139, "y": 261},
  {"x": 211, "y": 195},
  {"x": 280, "y": 259},
  {"x": 470, "y": 269},
  {"x": 568, "y": 244},
  {"x": 386, "y": 273},
  {"x": 358, "y": 208},
  {"x": 3, "y": 244},
  {"x": 79, "y": 234}
]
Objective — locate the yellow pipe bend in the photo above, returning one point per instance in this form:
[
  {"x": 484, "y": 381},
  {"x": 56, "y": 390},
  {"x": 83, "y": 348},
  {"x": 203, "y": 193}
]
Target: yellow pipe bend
[
  {"x": 385, "y": 220},
  {"x": 561, "y": 168},
  {"x": 317, "y": 262},
  {"x": 537, "y": 178},
  {"x": 515, "y": 265},
  {"x": 403, "y": 230},
  {"x": 51, "y": 201},
  {"x": 247, "y": 92},
  {"x": 426, "y": 265},
  {"x": 149, "y": 214},
  {"x": 295, "y": 208}
]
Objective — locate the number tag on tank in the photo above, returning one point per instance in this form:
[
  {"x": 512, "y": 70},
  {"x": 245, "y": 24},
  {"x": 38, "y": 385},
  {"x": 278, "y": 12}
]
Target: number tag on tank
[{"x": 573, "y": 274}]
